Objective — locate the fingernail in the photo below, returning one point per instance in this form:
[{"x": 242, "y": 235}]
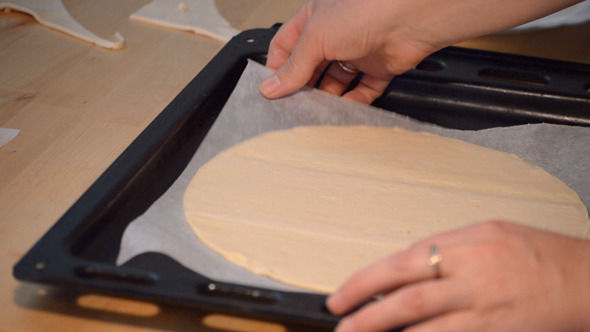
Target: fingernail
[{"x": 270, "y": 86}]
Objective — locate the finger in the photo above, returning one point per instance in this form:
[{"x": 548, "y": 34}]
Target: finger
[
  {"x": 336, "y": 80},
  {"x": 405, "y": 267},
  {"x": 452, "y": 322},
  {"x": 408, "y": 266},
  {"x": 299, "y": 67},
  {"x": 284, "y": 41},
  {"x": 319, "y": 74},
  {"x": 297, "y": 70},
  {"x": 368, "y": 89},
  {"x": 410, "y": 304}
]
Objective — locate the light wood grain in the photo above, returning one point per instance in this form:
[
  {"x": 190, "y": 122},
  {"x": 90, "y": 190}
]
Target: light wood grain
[{"x": 79, "y": 106}]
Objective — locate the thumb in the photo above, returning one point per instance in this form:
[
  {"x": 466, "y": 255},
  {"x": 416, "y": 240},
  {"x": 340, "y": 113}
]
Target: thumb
[{"x": 297, "y": 70}]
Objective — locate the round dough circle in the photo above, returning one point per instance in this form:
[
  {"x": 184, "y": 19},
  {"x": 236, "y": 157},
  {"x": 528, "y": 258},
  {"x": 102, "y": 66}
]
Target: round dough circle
[{"x": 311, "y": 205}]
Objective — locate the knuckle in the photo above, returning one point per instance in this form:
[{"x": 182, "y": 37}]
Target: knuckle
[
  {"x": 358, "y": 278},
  {"x": 494, "y": 228},
  {"x": 414, "y": 300},
  {"x": 401, "y": 264},
  {"x": 358, "y": 283}
]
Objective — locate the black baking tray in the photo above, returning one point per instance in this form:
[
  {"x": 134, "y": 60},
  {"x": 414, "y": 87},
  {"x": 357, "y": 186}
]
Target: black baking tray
[{"x": 455, "y": 87}]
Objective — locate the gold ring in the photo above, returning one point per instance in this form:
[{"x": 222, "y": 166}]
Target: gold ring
[
  {"x": 434, "y": 260},
  {"x": 347, "y": 67}
]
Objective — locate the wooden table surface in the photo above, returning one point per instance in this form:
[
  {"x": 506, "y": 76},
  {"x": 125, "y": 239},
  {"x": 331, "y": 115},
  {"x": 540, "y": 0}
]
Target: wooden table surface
[{"x": 79, "y": 106}]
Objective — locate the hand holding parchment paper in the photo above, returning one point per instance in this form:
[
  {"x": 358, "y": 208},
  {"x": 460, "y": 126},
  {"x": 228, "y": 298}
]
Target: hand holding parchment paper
[
  {"x": 383, "y": 39},
  {"x": 561, "y": 150}
]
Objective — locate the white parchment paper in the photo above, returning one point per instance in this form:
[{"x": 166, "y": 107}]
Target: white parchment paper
[
  {"x": 576, "y": 14},
  {"x": 563, "y": 151}
]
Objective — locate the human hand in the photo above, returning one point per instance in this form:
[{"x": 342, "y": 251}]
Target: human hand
[
  {"x": 382, "y": 38},
  {"x": 494, "y": 276},
  {"x": 339, "y": 30}
]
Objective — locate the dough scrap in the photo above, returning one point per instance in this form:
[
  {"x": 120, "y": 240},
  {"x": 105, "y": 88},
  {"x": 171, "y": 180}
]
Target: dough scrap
[
  {"x": 6, "y": 135},
  {"x": 53, "y": 14},
  {"x": 198, "y": 16},
  {"x": 311, "y": 205}
]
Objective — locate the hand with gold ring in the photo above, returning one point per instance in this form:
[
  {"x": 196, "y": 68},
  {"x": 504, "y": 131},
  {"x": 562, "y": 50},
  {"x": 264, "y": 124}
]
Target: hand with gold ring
[
  {"x": 381, "y": 38},
  {"x": 494, "y": 276},
  {"x": 347, "y": 67}
]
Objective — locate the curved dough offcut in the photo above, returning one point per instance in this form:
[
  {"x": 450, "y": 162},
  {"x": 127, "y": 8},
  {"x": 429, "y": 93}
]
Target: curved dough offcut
[
  {"x": 311, "y": 205},
  {"x": 53, "y": 14},
  {"x": 199, "y": 16}
]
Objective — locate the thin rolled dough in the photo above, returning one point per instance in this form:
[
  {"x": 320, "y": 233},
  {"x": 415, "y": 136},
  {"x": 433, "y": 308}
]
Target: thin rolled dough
[{"x": 311, "y": 205}]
